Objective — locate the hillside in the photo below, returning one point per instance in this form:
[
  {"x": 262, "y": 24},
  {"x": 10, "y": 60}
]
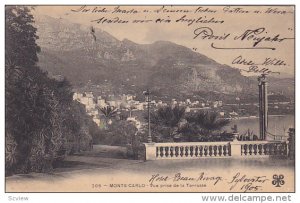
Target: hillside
[{"x": 114, "y": 66}]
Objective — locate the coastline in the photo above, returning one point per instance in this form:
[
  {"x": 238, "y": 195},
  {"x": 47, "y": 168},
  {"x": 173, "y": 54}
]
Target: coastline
[{"x": 253, "y": 117}]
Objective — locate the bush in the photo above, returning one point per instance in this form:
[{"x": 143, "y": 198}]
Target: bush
[
  {"x": 136, "y": 148},
  {"x": 42, "y": 121},
  {"x": 118, "y": 133},
  {"x": 10, "y": 153}
]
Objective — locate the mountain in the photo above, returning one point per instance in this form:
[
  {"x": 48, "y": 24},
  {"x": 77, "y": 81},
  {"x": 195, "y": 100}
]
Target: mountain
[
  {"x": 92, "y": 58},
  {"x": 280, "y": 85}
]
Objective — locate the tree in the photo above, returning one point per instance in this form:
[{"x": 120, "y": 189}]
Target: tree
[
  {"x": 24, "y": 94},
  {"x": 36, "y": 107},
  {"x": 108, "y": 112},
  {"x": 119, "y": 133},
  {"x": 20, "y": 37},
  {"x": 167, "y": 121},
  {"x": 205, "y": 123}
]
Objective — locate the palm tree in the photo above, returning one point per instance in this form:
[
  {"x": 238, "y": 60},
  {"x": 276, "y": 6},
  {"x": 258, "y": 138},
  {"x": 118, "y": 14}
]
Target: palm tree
[
  {"x": 109, "y": 112},
  {"x": 167, "y": 121},
  {"x": 207, "y": 121}
]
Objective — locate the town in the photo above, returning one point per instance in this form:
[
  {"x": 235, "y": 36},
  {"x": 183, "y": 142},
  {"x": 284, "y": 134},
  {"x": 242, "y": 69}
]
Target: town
[{"x": 130, "y": 108}]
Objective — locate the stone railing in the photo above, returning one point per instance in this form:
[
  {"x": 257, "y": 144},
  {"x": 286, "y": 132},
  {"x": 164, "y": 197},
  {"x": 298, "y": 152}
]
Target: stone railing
[
  {"x": 195, "y": 150},
  {"x": 262, "y": 148}
]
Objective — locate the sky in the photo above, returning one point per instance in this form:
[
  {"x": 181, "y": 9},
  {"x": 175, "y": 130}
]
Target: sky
[{"x": 234, "y": 20}]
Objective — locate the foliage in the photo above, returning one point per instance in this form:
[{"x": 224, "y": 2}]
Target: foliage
[
  {"x": 173, "y": 124},
  {"x": 166, "y": 121},
  {"x": 135, "y": 147},
  {"x": 108, "y": 113},
  {"x": 119, "y": 133},
  {"x": 247, "y": 136},
  {"x": 208, "y": 121},
  {"x": 10, "y": 151},
  {"x": 38, "y": 128}
]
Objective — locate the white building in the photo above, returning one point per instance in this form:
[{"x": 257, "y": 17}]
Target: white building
[
  {"x": 101, "y": 103},
  {"x": 97, "y": 121},
  {"x": 112, "y": 103},
  {"x": 136, "y": 122},
  {"x": 89, "y": 94}
]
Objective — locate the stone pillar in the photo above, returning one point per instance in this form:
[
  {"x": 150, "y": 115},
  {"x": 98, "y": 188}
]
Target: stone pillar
[
  {"x": 235, "y": 147},
  {"x": 150, "y": 151},
  {"x": 263, "y": 106}
]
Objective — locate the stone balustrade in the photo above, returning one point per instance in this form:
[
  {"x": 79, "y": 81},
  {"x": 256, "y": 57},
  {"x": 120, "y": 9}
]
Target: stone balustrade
[
  {"x": 195, "y": 150},
  {"x": 263, "y": 148}
]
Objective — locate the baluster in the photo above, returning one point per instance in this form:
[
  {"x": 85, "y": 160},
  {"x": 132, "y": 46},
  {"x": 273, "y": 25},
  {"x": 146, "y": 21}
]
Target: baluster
[
  {"x": 215, "y": 150},
  {"x": 181, "y": 151},
  {"x": 201, "y": 151},
  {"x": 187, "y": 151},
  {"x": 220, "y": 150},
  {"x": 171, "y": 151},
  {"x": 192, "y": 151},
  {"x": 265, "y": 149},
  {"x": 166, "y": 151},
  {"x": 260, "y": 149},
  {"x": 160, "y": 152},
  {"x": 196, "y": 151},
  {"x": 254, "y": 149},
  {"x": 176, "y": 151},
  {"x": 242, "y": 150},
  {"x": 225, "y": 150},
  {"x": 210, "y": 149},
  {"x": 246, "y": 149},
  {"x": 157, "y": 150},
  {"x": 250, "y": 149},
  {"x": 257, "y": 149},
  {"x": 163, "y": 151},
  {"x": 205, "y": 150}
]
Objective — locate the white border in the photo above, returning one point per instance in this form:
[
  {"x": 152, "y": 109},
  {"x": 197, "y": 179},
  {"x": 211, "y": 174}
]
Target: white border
[{"x": 127, "y": 197}]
